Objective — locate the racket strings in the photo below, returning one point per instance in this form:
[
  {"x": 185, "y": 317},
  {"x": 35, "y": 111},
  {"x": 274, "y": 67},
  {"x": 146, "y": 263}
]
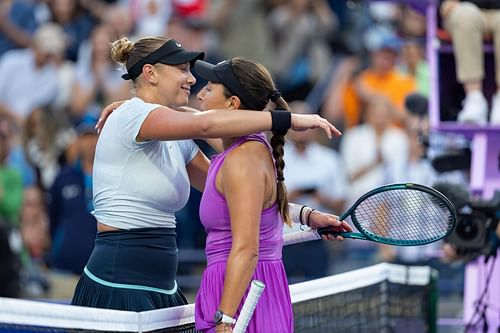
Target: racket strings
[{"x": 404, "y": 215}]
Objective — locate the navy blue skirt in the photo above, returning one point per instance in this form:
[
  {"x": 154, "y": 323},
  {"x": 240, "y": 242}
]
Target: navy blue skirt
[{"x": 131, "y": 270}]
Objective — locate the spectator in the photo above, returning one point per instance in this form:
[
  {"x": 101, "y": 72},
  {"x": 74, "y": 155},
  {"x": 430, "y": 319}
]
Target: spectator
[
  {"x": 32, "y": 70},
  {"x": 35, "y": 224},
  {"x": 368, "y": 148},
  {"x": 468, "y": 22},
  {"x": 11, "y": 185},
  {"x": 415, "y": 65},
  {"x": 72, "y": 226},
  {"x": 300, "y": 29},
  {"x": 46, "y": 138},
  {"x": 36, "y": 241},
  {"x": 150, "y": 16},
  {"x": 118, "y": 18},
  {"x": 97, "y": 82},
  {"x": 17, "y": 24},
  {"x": 76, "y": 22},
  {"x": 380, "y": 78},
  {"x": 232, "y": 20}
]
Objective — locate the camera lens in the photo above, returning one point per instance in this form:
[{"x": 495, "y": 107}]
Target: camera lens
[{"x": 468, "y": 228}]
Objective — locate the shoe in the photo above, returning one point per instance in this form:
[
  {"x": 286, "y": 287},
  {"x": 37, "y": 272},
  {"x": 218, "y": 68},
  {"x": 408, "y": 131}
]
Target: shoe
[
  {"x": 495, "y": 110},
  {"x": 475, "y": 109}
]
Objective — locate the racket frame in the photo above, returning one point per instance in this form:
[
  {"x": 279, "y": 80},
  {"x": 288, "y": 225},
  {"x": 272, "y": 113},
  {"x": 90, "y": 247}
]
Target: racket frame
[{"x": 362, "y": 234}]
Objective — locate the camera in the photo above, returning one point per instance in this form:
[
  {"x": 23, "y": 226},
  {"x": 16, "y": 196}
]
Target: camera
[{"x": 475, "y": 232}]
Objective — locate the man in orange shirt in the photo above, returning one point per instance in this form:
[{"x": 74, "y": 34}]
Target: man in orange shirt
[{"x": 380, "y": 78}]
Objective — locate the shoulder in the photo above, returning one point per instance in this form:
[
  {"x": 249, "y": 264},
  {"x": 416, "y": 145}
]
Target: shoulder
[
  {"x": 247, "y": 158},
  {"x": 135, "y": 107}
]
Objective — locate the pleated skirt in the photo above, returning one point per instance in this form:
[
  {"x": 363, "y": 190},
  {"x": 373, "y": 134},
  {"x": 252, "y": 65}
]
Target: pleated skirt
[
  {"x": 132, "y": 270},
  {"x": 273, "y": 313}
]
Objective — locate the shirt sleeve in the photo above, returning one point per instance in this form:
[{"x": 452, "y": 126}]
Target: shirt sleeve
[
  {"x": 189, "y": 149},
  {"x": 131, "y": 119}
]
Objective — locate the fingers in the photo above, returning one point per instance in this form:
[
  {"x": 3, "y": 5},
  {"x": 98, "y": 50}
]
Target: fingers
[
  {"x": 331, "y": 237},
  {"x": 98, "y": 125},
  {"x": 105, "y": 114},
  {"x": 329, "y": 129},
  {"x": 346, "y": 226}
]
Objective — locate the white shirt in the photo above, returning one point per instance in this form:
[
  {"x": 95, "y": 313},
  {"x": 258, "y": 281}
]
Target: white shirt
[
  {"x": 23, "y": 86},
  {"x": 316, "y": 167},
  {"x": 359, "y": 149},
  {"x": 139, "y": 184}
]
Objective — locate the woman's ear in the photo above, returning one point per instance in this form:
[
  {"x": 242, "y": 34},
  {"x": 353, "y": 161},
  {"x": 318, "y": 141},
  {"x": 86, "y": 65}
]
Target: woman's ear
[
  {"x": 149, "y": 73},
  {"x": 234, "y": 102}
]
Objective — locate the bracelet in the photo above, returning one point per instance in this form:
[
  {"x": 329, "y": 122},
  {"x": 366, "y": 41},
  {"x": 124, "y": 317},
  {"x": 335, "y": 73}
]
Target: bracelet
[
  {"x": 300, "y": 214},
  {"x": 281, "y": 121},
  {"x": 308, "y": 216},
  {"x": 304, "y": 215}
]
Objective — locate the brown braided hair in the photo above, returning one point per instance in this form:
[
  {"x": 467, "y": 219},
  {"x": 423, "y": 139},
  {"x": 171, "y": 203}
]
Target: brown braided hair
[{"x": 259, "y": 83}]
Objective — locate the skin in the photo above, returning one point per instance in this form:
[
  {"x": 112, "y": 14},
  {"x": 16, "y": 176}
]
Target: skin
[
  {"x": 247, "y": 181},
  {"x": 170, "y": 123},
  {"x": 170, "y": 85}
]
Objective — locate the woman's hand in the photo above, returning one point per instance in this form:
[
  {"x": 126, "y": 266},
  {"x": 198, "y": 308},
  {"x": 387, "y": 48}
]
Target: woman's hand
[
  {"x": 223, "y": 328},
  {"x": 105, "y": 114},
  {"x": 301, "y": 122},
  {"x": 319, "y": 219}
]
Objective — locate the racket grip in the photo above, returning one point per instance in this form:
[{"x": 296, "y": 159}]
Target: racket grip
[
  {"x": 300, "y": 236},
  {"x": 256, "y": 289}
]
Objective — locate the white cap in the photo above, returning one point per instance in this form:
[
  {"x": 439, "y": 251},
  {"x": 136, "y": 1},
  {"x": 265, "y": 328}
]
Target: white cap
[{"x": 50, "y": 38}]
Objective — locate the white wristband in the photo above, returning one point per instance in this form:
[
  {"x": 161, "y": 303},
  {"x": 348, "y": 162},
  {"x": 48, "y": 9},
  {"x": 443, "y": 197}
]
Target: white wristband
[
  {"x": 294, "y": 211},
  {"x": 299, "y": 213}
]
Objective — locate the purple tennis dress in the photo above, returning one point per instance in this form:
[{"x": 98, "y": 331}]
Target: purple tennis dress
[{"x": 273, "y": 313}]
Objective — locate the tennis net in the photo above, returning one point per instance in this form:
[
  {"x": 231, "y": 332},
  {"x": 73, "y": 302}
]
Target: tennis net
[{"x": 380, "y": 298}]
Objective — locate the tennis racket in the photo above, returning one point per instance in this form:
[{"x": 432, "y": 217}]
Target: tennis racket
[
  {"x": 399, "y": 214},
  {"x": 256, "y": 289}
]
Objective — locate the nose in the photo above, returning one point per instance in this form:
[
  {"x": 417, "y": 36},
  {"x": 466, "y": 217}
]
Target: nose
[
  {"x": 201, "y": 94},
  {"x": 191, "y": 79}
]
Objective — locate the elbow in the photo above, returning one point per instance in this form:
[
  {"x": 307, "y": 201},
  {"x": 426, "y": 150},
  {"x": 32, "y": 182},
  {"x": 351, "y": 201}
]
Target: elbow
[{"x": 248, "y": 254}]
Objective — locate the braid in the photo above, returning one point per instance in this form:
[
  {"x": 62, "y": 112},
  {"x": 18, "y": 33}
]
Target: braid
[
  {"x": 259, "y": 84},
  {"x": 277, "y": 143}
]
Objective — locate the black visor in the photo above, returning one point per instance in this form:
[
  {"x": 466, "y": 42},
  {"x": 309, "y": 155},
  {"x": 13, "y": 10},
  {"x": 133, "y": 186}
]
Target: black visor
[
  {"x": 170, "y": 53},
  {"x": 223, "y": 73}
]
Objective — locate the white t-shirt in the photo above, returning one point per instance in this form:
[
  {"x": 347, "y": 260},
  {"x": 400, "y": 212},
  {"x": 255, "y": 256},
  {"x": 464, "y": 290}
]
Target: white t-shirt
[
  {"x": 139, "y": 184},
  {"x": 359, "y": 147},
  {"x": 23, "y": 86},
  {"x": 317, "y": 167}
]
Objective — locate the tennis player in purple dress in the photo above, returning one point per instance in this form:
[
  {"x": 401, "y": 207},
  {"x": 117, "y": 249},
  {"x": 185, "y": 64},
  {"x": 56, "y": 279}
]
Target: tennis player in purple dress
[{"x": 243, "y": 207}]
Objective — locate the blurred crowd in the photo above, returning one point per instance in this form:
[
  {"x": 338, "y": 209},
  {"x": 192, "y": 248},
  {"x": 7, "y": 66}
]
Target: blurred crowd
[{"x": 360, "y": 64}]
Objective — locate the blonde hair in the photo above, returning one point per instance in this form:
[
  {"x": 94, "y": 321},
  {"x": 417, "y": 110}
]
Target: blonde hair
[{"x": 124, "y": 51}]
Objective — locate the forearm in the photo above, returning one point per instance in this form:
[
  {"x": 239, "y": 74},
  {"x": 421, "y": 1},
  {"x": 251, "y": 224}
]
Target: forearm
[
  {"x": 214, "y": 143},
  {"x": 210, "y": 124},
  {"x": 239, "y": 271},
  {"x": 234, "y": 123}
]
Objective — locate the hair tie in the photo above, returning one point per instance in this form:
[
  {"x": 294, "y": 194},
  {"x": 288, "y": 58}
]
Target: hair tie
[
  {"x": 281, "y": 178},
  {"x": 274, "y": 95}
]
